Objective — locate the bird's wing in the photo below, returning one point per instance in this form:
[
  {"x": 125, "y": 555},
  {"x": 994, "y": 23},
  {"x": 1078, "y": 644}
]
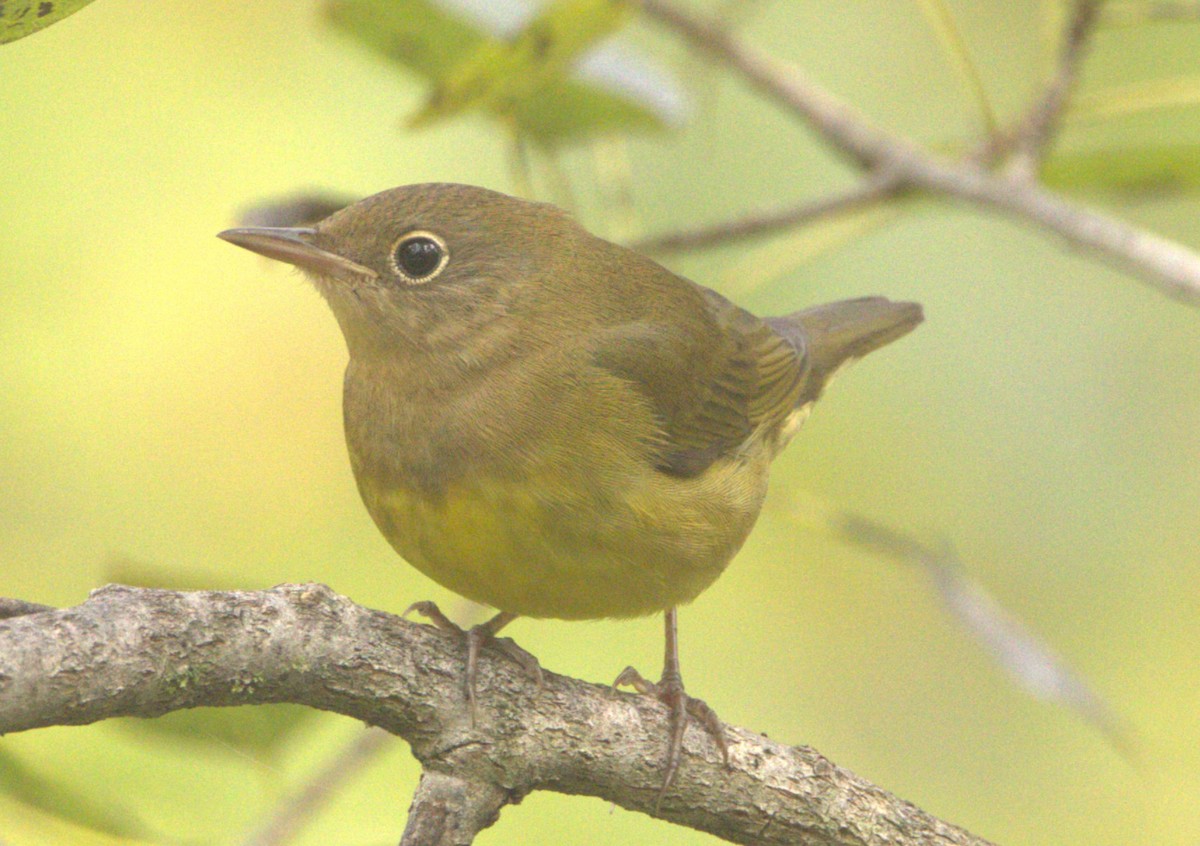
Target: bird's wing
[{"x": 713, "y": 378}]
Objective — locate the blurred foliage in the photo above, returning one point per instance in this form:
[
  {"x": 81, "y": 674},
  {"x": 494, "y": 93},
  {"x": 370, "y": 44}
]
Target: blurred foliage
[
  {"x": 1147, "y": 171},
  {"x": 45, "y": 793},
  {"x": 168, "y": 401},
  {"x": 1146, "y": 96},
  {"x": 528, "y": 79},
  {"x": 19, "y": 18}
]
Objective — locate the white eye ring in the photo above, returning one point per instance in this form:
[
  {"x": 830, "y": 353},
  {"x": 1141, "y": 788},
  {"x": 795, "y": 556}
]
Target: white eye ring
[{"x": 418, "y": 256}]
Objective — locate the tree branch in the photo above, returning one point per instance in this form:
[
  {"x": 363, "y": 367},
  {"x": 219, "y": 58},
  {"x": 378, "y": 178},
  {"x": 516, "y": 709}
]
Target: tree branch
[
  {"x": 449, "y": 811},
  {"x": 1033, "y": 137},
  {"x": 871, "y": 189},
  {"x": 139, "y": 652},
  {"x": 1171, "y": 267}
]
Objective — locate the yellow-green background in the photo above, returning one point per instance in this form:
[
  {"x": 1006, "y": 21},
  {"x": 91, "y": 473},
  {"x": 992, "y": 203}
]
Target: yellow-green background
[{"x": 169, "y": 400}]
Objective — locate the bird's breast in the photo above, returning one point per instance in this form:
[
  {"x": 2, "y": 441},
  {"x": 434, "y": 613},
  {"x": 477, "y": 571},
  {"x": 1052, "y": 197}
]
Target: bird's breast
[
  {"x": 547, "y": 545},
  {"x": 546, "y": 504}
]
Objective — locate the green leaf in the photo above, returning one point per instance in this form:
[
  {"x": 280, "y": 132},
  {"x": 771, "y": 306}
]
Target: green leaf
[
  {"x": 502, "y": 73},
  {"x": 19, "y": 18},
  {"x": 528, "y": 79},
  {"x": 1145, "y": 170},
  {"x": 415, "y": 33},
  {"x": 571, "y": 109},
  {"x": 61, "y": 800}
]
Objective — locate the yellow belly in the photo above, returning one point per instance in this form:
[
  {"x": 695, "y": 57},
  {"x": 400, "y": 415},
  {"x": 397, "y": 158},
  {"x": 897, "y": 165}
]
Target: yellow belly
[{"x": 559, "y": 547}]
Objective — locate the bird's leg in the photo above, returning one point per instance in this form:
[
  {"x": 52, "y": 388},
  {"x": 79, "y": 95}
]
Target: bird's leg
[
  {"x": 477, "y": 637},
  {"x": 670, "y": 692}
]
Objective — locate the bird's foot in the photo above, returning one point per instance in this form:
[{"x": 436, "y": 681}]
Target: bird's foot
[
  {"x": 670, "y": 692},
  {"x": 434, "y": 615},
  {"x": 476, "y": 638}
]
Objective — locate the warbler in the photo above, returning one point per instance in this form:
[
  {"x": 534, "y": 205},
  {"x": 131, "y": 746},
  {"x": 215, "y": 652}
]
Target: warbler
[{"x": 552, "y": 424}]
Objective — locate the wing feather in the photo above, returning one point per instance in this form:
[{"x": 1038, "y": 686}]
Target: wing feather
[{"x": 713, "y": 386}]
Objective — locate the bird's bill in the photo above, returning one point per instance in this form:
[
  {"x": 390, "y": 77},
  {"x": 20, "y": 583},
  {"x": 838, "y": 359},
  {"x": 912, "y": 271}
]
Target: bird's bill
[{"x": 294, "y": 246}]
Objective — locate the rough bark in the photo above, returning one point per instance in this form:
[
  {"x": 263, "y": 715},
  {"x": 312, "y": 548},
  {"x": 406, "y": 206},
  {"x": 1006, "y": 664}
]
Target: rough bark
[{"x": 142, "y": 653}]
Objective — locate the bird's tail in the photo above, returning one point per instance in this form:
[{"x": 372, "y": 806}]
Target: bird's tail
[{"x": 835, "y": 334}]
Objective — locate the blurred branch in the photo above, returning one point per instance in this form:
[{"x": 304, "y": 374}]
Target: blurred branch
[
  {"x": 1024, "y": 655},
  {"x": 301, "y": 209},
  {"x": 1119, "y": 14},
  {"x": 288, "y": 819},
  {"x": 873, "y": 188},
  {"x": 143, "y": 652},
  {"x": 1171, "y": 267},
  {"x": 1033, "y": 137}
]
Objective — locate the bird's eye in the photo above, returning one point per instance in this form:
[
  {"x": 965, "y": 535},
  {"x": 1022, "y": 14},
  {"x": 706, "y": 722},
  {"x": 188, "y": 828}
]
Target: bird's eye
[{"x": 419, "y": 256}]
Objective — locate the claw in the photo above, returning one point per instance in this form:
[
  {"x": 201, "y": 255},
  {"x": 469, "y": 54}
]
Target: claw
[
  {"x": 433, "y": 614},
  {"x": 522, "y": 658},
  {"x": 476, "y": 638},
  {"x": 632, "y": 678}
]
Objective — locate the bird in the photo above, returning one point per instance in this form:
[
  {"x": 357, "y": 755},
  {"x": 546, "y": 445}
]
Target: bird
[{"x": 555, "y": 425}]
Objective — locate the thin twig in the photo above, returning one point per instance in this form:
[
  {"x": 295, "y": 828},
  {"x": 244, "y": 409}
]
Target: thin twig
[
  {"x": 1132, "y": 13},
  {"x": 1033, "y": 137},
  {"x": 290, "y": 816},
  {"x": 1165, "y": 264},
  {"x": 871, "y": 189},
  {"x": 1028, "y": 659}
]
